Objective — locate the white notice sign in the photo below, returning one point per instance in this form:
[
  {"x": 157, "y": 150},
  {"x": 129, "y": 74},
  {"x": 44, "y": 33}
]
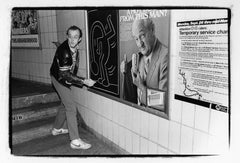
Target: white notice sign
[{"x": 203, "y": 62}]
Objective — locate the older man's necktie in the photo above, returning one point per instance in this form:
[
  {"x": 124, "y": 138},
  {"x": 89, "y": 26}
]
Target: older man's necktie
[{"x": 146, "y": 66}]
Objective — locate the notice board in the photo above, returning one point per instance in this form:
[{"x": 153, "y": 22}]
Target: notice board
[{"x": 103, "y": 50}]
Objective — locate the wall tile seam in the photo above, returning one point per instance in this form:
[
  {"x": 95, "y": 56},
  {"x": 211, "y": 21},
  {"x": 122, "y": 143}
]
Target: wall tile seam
[
  {"x": 21, "y": 61},
  {"x": 14, "y": 75},
  {"x": 125, "y": 147},
  {"x": 195, "y": 141},
  {"x": 180, "y": 141},
  {"x": 33, "y": 77},
  {"x": 33, "y": 62},
  {"x": 192, "y": 139},
  {"x": 180, "y": 119},
  {"x": 142, "y": 132},
  {"x": 196, "y": 129},
  {"x": 49, "y": 48},
  {"x": 168, "y": 134},
  {"x": 217, "y": 136},
  {"x": 103, "y": 137},
  {"x": 158, "y": 136},
  {"x": 30, "y": 75},
  {"x": 174, "y": 153},
  {"x": 177, "y": 123},
  {"x": 20, "y": 74},
  {"x": 194, "y": 122},
  {"x": 43, "y": 32},
  {"x": 140, "y": 145},
  {"x": 81, "y": 105},
  {"x": 181, "y": 112},
  {"x": 46, "y": 16},
  {"x": 102, "y": 115},
  {"x": 194, "y": 125},
  {"x": 158, "y": 144},
  {"x": 43, "y": 77},
  {"x": 209, "y": 120}
]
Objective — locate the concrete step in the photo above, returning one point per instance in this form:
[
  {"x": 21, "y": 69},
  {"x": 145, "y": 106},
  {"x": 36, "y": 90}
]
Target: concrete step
[
  {"x": 28, "y": 100},
  {"x": 31, "y": 130},
  {"x": 35, "y": 112}
]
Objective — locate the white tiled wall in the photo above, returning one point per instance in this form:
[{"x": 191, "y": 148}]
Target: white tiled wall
[
  {"x": 139, "y": 132},
  {"x": 34, "y": 64},
  {"x": 202, "y": 118},
  {"x": 186, "y": 144},
  {"x": 188, "y": 113},
  {"x": 163, "y": 132},
  {"x": 174, "y": 137},
  {"x": 67, "y": 18}
]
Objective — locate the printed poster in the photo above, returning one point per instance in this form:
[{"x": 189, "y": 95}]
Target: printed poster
[
  {"x": 25, "y": 32},
  {"x": 202, "y": 75}
]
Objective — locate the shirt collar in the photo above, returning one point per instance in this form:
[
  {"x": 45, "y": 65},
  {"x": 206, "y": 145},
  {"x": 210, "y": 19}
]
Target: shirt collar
[{"x": 148, "y": 58}]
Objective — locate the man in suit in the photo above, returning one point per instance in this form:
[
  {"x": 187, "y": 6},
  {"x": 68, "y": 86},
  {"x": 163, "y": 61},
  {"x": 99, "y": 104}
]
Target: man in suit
[{"x": 153, "y": 60}]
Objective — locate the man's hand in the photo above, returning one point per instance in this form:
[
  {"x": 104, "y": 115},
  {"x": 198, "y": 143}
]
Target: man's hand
[
  {"x": 89, "y": 82},
  {"x": 137, "y": 80}
]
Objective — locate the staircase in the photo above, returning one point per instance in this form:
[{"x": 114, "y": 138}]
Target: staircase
[
  {"x": 33, "y": 116},
  {"x": 33, "y": 109}
]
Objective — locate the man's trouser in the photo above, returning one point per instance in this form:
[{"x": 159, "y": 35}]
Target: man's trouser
[{"x": 68, "y": 113}]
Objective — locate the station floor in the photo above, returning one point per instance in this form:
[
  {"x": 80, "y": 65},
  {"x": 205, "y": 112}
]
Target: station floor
[
  {"x": 59, "y": 146},
  {"x": 54, "y": 145}
]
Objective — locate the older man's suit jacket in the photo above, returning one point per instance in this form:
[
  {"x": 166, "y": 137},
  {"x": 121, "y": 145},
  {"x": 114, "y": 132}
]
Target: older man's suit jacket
[{"x": 157, "y": 71}]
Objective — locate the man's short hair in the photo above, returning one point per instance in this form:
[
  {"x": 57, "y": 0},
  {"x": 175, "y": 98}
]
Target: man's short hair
[{"x": 75, "y": 28}]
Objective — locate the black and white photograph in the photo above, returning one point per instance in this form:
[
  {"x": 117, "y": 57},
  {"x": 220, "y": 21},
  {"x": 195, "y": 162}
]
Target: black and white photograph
[{"x": 121, "y": 82}]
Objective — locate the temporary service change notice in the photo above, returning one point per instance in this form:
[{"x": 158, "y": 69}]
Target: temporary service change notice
[{"x": 202, "y": 76}]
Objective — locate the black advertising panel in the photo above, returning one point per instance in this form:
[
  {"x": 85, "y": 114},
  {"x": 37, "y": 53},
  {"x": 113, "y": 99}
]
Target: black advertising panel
[{"x": 103, "y": 50}]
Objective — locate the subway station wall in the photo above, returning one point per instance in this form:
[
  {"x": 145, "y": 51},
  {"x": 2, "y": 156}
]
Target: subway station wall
[
  {"x": 34, "y": 64},
  {"x": 190, "y": 129}
]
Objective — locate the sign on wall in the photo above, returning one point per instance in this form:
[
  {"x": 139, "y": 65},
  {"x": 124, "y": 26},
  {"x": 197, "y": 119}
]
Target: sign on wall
[
  {"x": 202, "y": 76},
  {"x": 25, "y": 32},
  {"x": 103, "y": 50}
]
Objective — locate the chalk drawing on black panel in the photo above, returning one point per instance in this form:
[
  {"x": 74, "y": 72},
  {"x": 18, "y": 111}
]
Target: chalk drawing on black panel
[{"x": 100, "y": 47}]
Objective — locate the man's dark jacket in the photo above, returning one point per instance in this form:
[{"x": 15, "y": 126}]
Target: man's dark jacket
[
  {"x": 62, "y": 67},
  {"x": 129, "y": 89}
]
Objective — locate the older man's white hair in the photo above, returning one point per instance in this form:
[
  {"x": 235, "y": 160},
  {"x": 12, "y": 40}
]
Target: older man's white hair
[{"x": 145, "y": 23}]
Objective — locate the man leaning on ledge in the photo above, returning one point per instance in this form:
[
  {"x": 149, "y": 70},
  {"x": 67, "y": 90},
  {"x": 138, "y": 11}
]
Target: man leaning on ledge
[{"x": 63, "y": 73}]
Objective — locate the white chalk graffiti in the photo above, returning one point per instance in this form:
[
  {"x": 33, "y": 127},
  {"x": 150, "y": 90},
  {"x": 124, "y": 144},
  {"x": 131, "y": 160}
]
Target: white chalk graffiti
[{"x": 100, "y": 48}]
